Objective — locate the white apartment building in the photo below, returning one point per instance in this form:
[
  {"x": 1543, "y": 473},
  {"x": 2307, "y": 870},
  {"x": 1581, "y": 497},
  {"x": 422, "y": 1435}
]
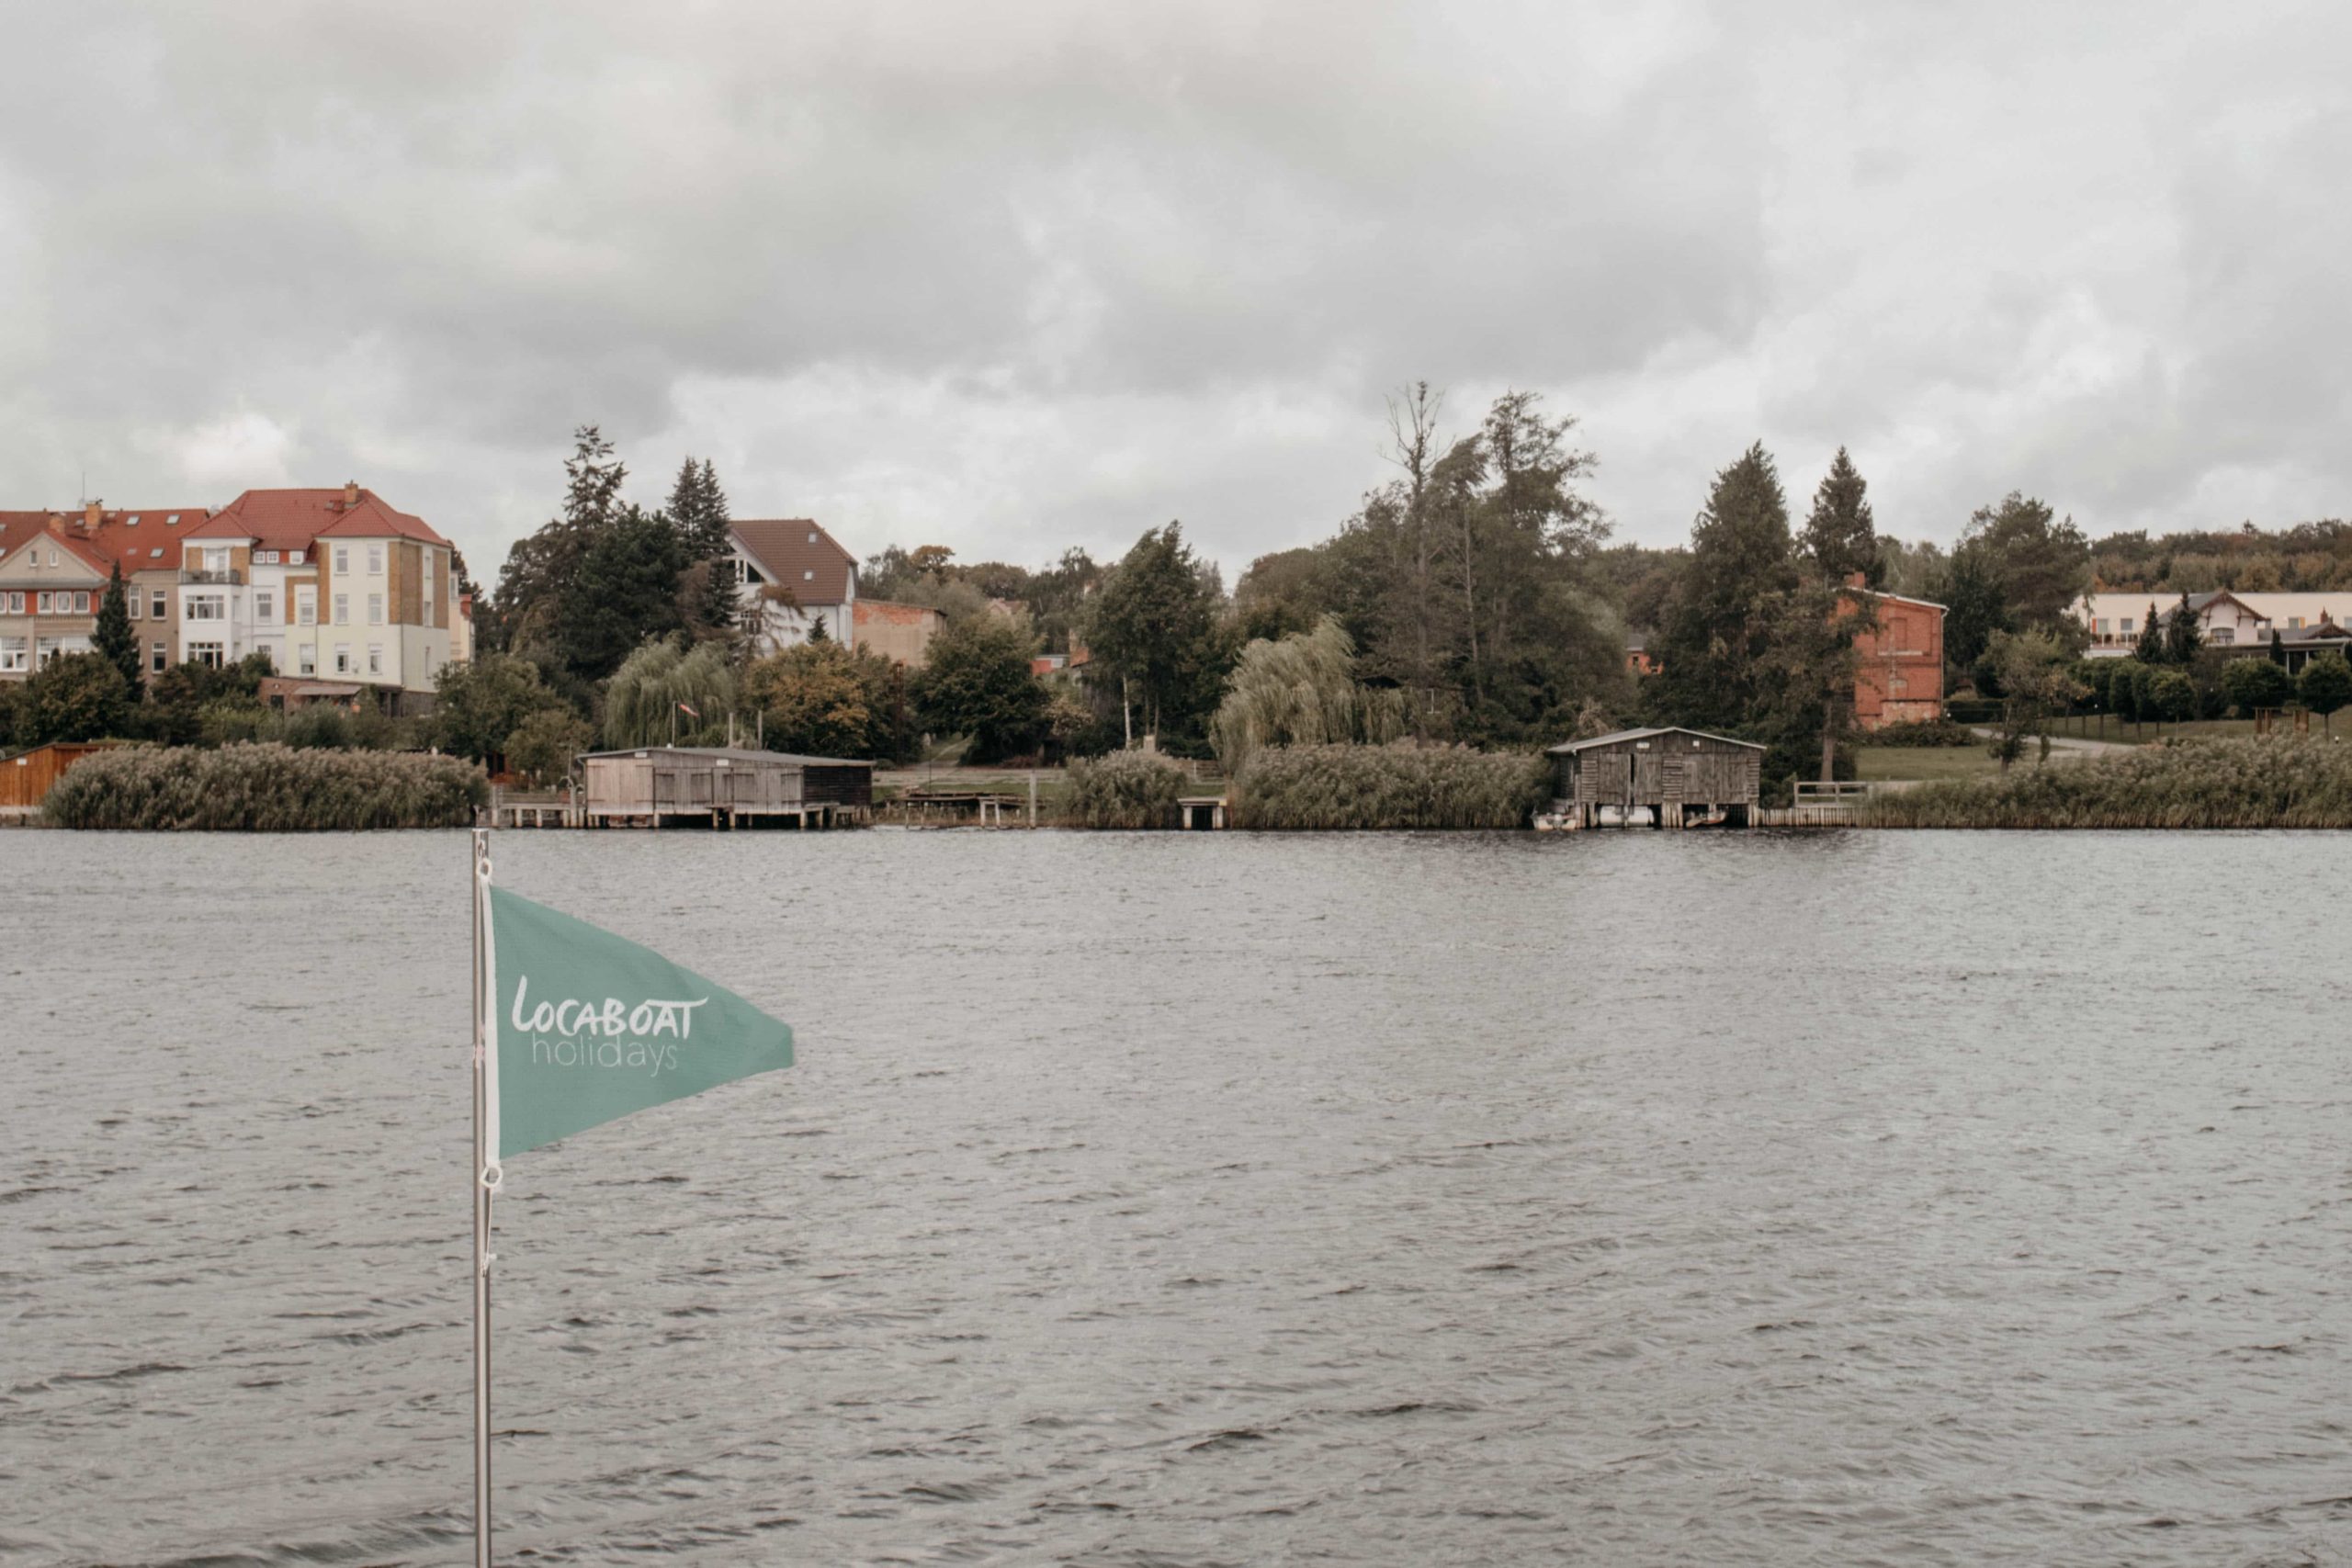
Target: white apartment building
[
  {"x": 2228, "y": 620},
  {"x": 334, "y": 585}
]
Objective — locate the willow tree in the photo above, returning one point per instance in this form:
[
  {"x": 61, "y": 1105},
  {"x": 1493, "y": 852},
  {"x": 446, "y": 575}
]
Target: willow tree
[
  {"x": 1301, "y": 691},
  {"x": 646, "y": 704}
]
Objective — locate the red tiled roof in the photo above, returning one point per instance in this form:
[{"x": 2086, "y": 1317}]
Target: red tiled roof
[
  {"x": 793, "y": 553},
  {"x": 19, "y": 529},
  {"x": 290, "y": 519},
  {"x": 151, "y": 544}
]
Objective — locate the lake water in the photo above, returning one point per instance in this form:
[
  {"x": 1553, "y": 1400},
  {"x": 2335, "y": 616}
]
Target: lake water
[{"x": 1160, "y": 1199}]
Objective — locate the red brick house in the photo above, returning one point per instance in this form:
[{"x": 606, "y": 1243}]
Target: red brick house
[{"x": 1899, "y": 664}]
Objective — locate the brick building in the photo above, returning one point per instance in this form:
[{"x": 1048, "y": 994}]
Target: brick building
[{"x": 1899, "y": 667}]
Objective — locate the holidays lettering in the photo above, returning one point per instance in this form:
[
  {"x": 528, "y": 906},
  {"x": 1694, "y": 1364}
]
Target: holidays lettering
[{"x": 616, "y": 1034}]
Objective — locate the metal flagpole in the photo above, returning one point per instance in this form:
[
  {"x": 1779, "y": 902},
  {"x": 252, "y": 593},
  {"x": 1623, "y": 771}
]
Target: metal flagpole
[{"x": 484, "y": 1182}]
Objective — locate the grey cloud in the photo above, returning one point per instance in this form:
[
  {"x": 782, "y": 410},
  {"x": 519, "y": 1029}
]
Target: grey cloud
[{"x": 1009, "y": 277}]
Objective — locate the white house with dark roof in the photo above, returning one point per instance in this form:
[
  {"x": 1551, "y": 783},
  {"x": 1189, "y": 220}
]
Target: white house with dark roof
[
  {"x": 2225, "y": 619},
  {"x": 793, "y": 577}
]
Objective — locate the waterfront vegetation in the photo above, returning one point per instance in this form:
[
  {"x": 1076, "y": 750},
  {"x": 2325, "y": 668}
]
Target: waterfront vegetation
[
  {"x": 1401, "y": 785},
  {"x": 1125, "y": 789},
  {"x": 2272, "y": 782},
  {"x": 264, "y": 787},
  {"x": 1878, "y": 764}
]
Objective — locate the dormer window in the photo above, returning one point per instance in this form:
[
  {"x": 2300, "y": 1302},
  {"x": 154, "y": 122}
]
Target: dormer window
[
  {"x": 132, "y": 520},
  {"x": 171, "y": 522}
]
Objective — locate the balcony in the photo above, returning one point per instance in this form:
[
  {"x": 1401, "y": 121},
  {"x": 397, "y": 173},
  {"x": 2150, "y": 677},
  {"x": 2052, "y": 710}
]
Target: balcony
[{"x": 231, "y": 578}]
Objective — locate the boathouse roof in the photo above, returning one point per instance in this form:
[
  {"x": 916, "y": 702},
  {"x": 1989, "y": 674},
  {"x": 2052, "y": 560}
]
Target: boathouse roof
[
  {"x": 735, "y": 754},
  {"x": 1620, "y": 737}
]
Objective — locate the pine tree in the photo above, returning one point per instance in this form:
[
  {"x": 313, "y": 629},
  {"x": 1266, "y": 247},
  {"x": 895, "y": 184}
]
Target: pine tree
[
  {"x": 1720, "y": 622},
  {"x": 114, "y": 636},
  {"x": 1840, "y": 536},
  {"x": 2183, "y": 636},
  {"x": 2150, "y": 648},
  {"x": 698, "y": 511}
]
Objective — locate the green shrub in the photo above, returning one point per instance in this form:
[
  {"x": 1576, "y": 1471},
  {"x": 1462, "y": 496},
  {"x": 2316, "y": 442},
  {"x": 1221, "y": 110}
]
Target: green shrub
[
  {"x": 1125, "y": 789},
  {"x": 1922, "y": 732},
  {"x": 2271, "y": 782},
  {"x": 1403, "y": 785},
  {"x": 320, "y": 727},
  {"x": 2172, "y": 696},
  {"x": 266, "y": 789}
]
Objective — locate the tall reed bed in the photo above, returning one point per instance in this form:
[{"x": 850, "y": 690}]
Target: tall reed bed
[
  {"x": 1125, "y": 789},
  {"x": 2274, "y": 782},
  {"x": 1343, "y": 787},
  {"x": 265, "y": 788}
]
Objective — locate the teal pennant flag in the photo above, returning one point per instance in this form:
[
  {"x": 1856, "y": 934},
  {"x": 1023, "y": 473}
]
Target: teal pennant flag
[{"x": 588, "y": 1027}]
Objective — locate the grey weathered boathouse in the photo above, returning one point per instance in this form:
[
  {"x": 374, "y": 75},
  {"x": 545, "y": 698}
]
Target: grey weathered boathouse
[
  {"x": 1673, "y": 777},
  {"x": 664, "y": 786}
]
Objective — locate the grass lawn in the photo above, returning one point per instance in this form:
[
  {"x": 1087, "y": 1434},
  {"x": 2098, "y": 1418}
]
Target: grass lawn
[
  {"x": 1873, "y": 763},
  {"x": 2126, "y": 734}
]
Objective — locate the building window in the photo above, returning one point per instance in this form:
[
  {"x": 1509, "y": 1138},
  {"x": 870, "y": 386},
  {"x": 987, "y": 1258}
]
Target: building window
[
  {"x": 81, "y": 604},
  {"x": 342, "y": 559},
  {"x": 41, "y": 603},
  {"x": 306, "y": 606},
  {"x": 375, "y": 609},
  {"x": 264, "y": 558},
  {"x": 2124, "y": 625},
  {"x": 343, "y": 658},
  {"x": 264, "y": 605},
  {"x": 15, "y": 603},
  {"x": 216, "y": 557},
  {"x": 206, "y": 606},
  {"x": 12, "y": 655},
  {"x": 209, "y": 654},
  {"x": 2099, "y": 625},
  {"x": 2294, "y": 623},
  {"x": 808, "y": 576},
  {"x": 2223, "y": 637},
  {"x": 376, "y": 560},
  {"x": 156, "y": 607},
  {"x": 294, "y": 558},
  {"x": 374, "y": 659},
  {"x": 343, "y": 609},
  {"x": 131, "y": 602},
  {"x": 306, "y": 658},
  {"x": 155, "y": 658}
]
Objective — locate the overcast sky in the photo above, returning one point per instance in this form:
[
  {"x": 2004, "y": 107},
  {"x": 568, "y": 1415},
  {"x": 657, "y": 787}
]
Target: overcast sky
[{"x": 1008, "y": 277}]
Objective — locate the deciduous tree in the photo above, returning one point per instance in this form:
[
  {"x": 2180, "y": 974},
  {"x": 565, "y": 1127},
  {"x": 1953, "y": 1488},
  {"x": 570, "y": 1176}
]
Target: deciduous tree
[
  {"x": 2252, "y": 683},
  {"x": 74, "y": 697},
  {"x": 976, "y": 681},
  {"x": 2036, "y": 672},
  {"x": 1156, "y": 628},
  {"x": 2325, "y": 687}
]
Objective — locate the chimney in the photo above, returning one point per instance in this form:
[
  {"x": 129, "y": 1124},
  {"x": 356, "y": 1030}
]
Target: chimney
[
  {"x": 92, "y": 513},
  {"x": 1856, "y": 579},
  {"x": 350, "y": 494}
]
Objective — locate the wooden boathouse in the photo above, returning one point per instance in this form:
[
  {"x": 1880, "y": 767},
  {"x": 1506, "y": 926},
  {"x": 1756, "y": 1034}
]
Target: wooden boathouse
[
  {"x": 1671, "y": 778},
  {"x": 680, "y": 786}
]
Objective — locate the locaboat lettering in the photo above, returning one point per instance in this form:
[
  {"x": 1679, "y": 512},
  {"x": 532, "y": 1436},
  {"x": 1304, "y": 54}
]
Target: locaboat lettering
[{"x": 616, "y": 1034}]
